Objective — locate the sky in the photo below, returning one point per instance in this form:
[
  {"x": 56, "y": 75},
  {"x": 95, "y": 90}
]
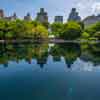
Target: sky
[{"x": 53, "y": 7}]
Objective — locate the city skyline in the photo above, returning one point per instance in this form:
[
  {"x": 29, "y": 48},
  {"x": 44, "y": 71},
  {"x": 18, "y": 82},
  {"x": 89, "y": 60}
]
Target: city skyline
[{"x": 54, "y": 8}]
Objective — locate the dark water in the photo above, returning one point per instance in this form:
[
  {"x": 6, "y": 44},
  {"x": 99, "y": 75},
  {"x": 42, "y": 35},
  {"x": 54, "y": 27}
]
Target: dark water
[{"x": 50, "y": 71}]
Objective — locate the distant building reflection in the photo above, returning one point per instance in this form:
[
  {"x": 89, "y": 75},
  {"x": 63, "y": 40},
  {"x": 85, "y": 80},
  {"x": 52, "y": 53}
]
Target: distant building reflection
[{"x": 5, "y": 64}]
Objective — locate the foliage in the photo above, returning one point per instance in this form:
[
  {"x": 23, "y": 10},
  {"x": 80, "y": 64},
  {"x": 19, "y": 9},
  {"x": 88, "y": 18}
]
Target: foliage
[
  {"x": 97, "y": 35},
  {"x": 21, "y": 29},
  {"x": 57, "y": 28},
  {"x": 82, "y": 25},
  {"x": 93, "y": 28},
  {"x": 85, "y": 35},
  {"x": 40, "y": 32},
  {"x": 71, "y": 30}
]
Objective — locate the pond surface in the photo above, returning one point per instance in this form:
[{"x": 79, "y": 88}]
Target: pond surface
[{"x": 50, "y": 71}]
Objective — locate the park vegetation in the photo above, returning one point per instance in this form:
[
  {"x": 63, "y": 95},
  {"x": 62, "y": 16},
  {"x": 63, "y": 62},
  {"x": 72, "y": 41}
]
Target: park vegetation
[
  {"x": 21, "y": 29},
  {"x": 76, "y": 31},
  {"x": 70, "y": 52}
]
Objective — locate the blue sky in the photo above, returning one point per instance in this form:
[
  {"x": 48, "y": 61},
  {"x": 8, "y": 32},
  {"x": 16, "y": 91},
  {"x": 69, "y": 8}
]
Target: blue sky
[{"x": 53, "y": 7}]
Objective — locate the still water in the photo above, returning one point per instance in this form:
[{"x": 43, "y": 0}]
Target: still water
[{"x": 50, "y": 71}]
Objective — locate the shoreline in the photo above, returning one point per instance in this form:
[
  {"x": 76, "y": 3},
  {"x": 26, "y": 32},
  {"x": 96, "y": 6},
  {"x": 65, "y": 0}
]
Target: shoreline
[{"x": 48, "y": 41}]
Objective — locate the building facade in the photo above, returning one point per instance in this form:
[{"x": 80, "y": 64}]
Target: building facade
[
  {"x": 1, "y": 13},
  {"x": 74, "y": 15},
  {"x": 27, "y": 17},
  {"x": 91, "y": 20},
  {"x": 58, "y": 19},
  {"x": 42, "y": 16}
]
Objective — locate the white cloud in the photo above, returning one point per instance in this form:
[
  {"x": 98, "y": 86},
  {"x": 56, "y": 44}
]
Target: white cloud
[
  {"x": 96, "y": 7},
  {"x": 53, "y": 7},
  {"x": 88, "y": 7}
]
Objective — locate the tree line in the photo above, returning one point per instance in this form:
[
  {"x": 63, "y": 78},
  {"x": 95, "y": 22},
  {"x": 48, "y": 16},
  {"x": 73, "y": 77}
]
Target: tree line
[
  {"x": 21, "y": 29},
  {"x": 76, "y": 30}
]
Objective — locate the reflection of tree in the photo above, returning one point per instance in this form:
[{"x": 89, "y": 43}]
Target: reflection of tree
[
  {"x": 3, "y": 56},
  {"x": 41, "y": 54},
  {"x": 42, "y": 60},
  {"x": 69, "y": 51},
  {"x": 17, "y": 52},
  {"x": 91, "y": 53},
  {"x": 56, "y": 53}
]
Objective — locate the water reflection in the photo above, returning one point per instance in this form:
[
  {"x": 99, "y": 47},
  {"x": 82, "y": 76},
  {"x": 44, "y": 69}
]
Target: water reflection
[
  {"x": 70, "y": 52},
  {"x": 49, "y": 72},
  {"x": 91, "y": 53}
]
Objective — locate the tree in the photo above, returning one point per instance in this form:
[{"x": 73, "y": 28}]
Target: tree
[
  {"x": 20, "y": 29},
  {"x": 2, "y": 24},
  {"x": 2, "y": 28},
  {"x": 85, "y": 35},
  {"x": 93, "y": 28},
  {"x": 82, "y": 25},
  {"x": 45, "y": 24},
  {"x": 97, "y": 35},
  {"x": 71, "y": 30},
  {"x": 40, "y": 32},
  {"x": 57, "y": 29}
]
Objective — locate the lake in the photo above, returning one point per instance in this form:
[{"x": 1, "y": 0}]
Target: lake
[{"x": 49, "y": 71}]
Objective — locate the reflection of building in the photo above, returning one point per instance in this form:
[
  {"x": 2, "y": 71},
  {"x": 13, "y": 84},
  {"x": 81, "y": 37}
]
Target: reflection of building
[
  {"x": 91, "y": 20},
  {"x": 69, "y": 62},
  {"x": 59, "y": 19},
  {"x": 42, "y": 62},
  {"x": 42, "y": 16},
  {"x": 1, "y": 13},
  {"x": 56, "y": 58},
  {"x": 5, "y": 64},
  {"x": 74, "y": 16},
  {"x": 27, "y": 17}
]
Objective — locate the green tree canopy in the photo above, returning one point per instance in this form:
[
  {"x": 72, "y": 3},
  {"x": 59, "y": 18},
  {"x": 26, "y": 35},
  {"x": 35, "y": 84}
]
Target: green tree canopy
[
  {"x": 22, "y": 29},
  {"x": 57, "y": 28},
  {"x": 71, "y": 30},
  {"x": 93, "y": 28}
]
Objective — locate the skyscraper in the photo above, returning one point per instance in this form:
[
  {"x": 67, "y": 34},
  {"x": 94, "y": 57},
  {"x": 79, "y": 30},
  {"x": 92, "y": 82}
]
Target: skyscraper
[
  {"x": 59, "y": 19},
  {"x": 27, "y": 17},
  {"x": 89, "y": 20},
  {"x": 14, "y": 16},
  {"x": 1, "y": 13},
  {"x": 74, "y": 15},
  {"x": 42, "y": 16}
]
